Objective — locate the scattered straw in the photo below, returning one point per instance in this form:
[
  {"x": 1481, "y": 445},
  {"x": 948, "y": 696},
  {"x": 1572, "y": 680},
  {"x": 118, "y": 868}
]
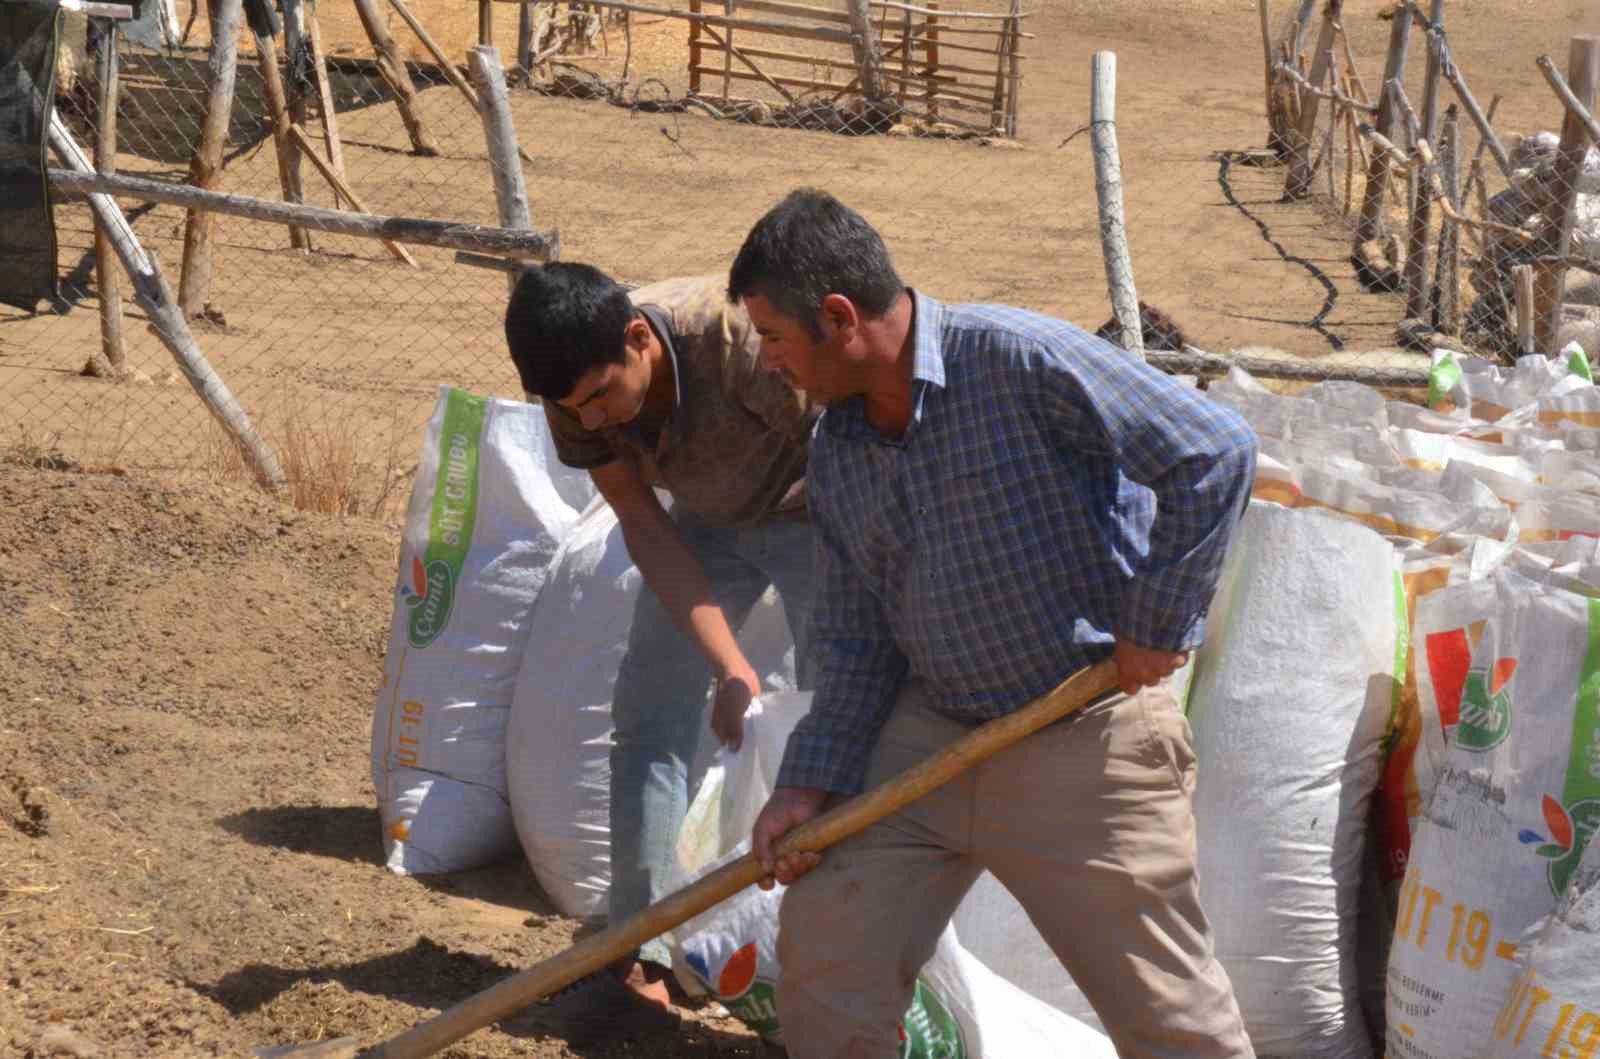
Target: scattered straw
[
  {"x": 28, "y": 889},
  {"x": 130, "y": 933}
]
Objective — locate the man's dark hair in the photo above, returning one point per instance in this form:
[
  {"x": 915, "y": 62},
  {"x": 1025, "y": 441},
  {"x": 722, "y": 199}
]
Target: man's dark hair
[
  {"x": 565, "y": 319},
  {"x": 811, "y": 245}
]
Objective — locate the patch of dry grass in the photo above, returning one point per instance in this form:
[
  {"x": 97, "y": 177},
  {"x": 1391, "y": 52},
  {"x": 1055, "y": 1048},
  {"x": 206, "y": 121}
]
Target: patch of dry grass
[{"x": 332, "y": 464}]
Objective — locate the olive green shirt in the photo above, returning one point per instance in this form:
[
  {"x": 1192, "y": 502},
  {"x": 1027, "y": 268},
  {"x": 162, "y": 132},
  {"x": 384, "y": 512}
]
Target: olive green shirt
[{"x": 733, "y": 449}]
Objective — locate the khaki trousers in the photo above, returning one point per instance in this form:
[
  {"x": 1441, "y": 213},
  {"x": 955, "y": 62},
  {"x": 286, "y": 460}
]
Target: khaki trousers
[{"x": 1086, "y": 822}]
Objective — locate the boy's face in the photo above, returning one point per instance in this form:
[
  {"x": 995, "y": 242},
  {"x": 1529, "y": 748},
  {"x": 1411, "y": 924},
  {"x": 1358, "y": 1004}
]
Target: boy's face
[{"x": 613, "y": 394}]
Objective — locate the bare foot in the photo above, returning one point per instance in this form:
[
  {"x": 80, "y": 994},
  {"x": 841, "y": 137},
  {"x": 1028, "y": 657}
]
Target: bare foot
[{"x": 648, "y": 980}]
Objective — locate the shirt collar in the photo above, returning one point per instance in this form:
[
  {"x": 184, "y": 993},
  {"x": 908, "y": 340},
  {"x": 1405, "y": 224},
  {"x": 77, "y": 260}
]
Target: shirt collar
[
  {"x": 661, "y": 324},
  {"x": 927, "y": 339}
]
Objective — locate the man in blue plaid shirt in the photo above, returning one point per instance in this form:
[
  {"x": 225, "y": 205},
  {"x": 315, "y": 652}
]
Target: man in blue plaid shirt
[{"x": 998, "y": 499}]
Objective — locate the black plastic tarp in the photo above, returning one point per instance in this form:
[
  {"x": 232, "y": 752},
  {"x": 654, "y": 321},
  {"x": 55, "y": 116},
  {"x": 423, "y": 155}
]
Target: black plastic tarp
[{"x": 27, "y": 88}]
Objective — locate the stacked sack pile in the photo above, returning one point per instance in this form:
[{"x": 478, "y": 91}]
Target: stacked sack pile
[
  {"x": 492, "y": 727},
  {"x": 1397, "y": 713}
]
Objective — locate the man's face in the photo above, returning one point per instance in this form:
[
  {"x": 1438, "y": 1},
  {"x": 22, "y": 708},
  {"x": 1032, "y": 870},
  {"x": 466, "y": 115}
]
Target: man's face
[
  {"x": 788, "y": 348},
  {"x": 612, "y": 394}
]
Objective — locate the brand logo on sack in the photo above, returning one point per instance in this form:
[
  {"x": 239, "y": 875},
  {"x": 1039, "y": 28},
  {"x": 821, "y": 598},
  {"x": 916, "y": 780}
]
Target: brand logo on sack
[
  {"x": 1486, "y": 706},
  {"x": 1571, "y": 828},
  {"x": 436, "y": 572},
  {"x": 929, "y": 1030},
  {"x": 432, "y": 593},
  {"x": 752, "y": 1000}
]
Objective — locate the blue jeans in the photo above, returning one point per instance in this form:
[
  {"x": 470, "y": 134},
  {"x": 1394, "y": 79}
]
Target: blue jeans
[{"x": 658, "y": 707}]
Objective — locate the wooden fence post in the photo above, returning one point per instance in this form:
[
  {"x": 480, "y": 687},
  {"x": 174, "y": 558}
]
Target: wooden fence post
[
  {"x": 1108, "y": 190},
  {"x": 1298, "y": 183},
  {"x": 151, "y": 293},
  {"x": 1522, "y": 282},
  {"x": 1551, "y": 249},
  {"x": 1447, "y": 275},
  {"x": 392, "y": 68},
  {"x": 1419, "y": 294},
  {"x": 194, "y": 279},
  {"x": 295, "y": 42},
  {"x": 1369, "y": 226},
  {"x": 500, "y": 134},
  {"x": 113, "y": 359},
  {"x": 288, "y": 154},
  {"x": 868, "y": 61}
]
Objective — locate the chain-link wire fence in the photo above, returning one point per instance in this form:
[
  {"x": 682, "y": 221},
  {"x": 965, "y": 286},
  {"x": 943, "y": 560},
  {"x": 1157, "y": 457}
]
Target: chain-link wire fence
[{"x": 652, "y": 140}]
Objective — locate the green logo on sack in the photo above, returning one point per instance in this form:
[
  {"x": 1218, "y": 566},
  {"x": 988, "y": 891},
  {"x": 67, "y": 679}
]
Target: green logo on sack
[
  {"x": 1575, "y": 818},
  {"x": 1486, "y": 706},
  {"x": 757, "y": 1008},
  {"x": 436, "y": 573},
  {"x": 1442, "y": 378},
  {"x": 929, "y": 1031}
]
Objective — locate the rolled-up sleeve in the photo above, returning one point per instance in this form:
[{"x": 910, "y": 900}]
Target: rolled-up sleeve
[
  {"x": 859, "y": 670},
  {"x": 1196, "y": 456}
]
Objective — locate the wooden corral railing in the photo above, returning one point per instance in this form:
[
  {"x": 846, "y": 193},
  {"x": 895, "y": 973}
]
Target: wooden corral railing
[{"x": 957, "y": 67}]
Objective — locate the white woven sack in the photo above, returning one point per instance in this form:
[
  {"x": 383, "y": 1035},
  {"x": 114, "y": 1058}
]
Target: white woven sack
[
  {"x": 1292, "y": 696},
  {"x": 481, "y": 528},
  {"x": 1512, "y": 807},
  {"x": 558, "y": 754}
]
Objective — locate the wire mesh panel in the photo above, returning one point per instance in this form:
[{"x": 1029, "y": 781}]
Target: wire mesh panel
[{"x": 655, "y": 133}]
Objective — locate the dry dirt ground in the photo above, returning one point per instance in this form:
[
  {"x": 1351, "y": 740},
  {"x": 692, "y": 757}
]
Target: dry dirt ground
[{"x": 188, "y": 843}]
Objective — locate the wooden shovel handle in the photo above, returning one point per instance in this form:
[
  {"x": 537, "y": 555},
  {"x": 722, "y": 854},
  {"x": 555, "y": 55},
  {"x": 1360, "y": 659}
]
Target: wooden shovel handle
[{"x": 842, "y": 821}]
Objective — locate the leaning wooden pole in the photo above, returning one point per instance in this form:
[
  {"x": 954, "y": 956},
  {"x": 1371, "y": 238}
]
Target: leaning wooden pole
[
  {"x": 1369, "y": 225},
  {"x": 1108, "y": 190},
  {"x": 151, "y": 293},
  {"x": 194, "y": 278},
  {"x": 450, "y": 72},
  {"x": 1554, "y": 243},
  {"x": 344, "y": 190},
  {"x": 113, "y": 359},
  {"x": 500, "y": 135},
  {"x": 1298, "y": 182},
  {"x": 392, "y": 68}
]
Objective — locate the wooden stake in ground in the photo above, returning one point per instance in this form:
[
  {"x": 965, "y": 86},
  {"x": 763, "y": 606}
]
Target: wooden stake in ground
[
  {"x": 500, "y": 133},
  {"x": 1369, "y": 225},
  {"x": 1550, "y": 264},
  {"x": 1298, "y": 183},
  {"x": 1277, "y": 125},
  {"x": 868, "y": 62},
  {"x": 1419, "y": 291},
  {"x": 392, "y": 67},
  {"x": 278, "y": 110},
  {"x": 295, "y": 43},
  {"x": 112, "y": 361},
  {"x": 194, "y": 281},
  {"x": 1522, "y": 284},
  {"x": 1447, "y": 275},
  {"x": 151, "y": 293},
  {"x": 1108, "y": 190}
]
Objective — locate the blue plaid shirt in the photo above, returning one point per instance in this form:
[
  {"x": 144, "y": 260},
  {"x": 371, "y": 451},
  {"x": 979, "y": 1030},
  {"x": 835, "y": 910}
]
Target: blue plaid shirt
[{"x": 1050, "y": 495}]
